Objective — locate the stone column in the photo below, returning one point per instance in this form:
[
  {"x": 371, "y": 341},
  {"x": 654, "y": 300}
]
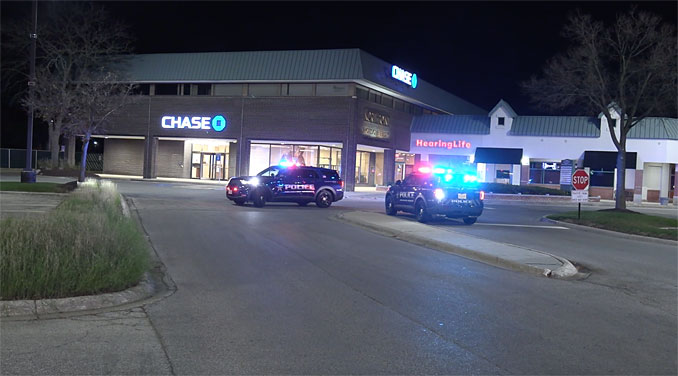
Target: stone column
[
  {"x": 638, "y": 187},
  {"x": 150, "y": 153},
  {"x": 664, "y": 184},
  {"x": 389, "y": 166}
]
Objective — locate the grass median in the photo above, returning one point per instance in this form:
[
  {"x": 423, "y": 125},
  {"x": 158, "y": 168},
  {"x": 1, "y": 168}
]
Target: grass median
[
  {"x": 84, "y": 246},
  {"x": 624, "y": 221}
]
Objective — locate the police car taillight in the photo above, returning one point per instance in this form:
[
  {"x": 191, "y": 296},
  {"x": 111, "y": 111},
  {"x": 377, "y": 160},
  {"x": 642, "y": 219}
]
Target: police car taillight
[
  {"x": 341, "y": 183},
  {"x": 482, "y": 195}
]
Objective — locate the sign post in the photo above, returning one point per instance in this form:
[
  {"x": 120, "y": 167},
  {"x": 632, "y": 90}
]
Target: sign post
[{"x": 580, "y": 193}]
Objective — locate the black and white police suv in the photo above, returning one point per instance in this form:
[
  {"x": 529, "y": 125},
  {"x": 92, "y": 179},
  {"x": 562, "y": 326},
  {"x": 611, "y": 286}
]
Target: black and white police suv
[
  {"x": 437, "y": 191},
  {"x": 288, "y": 183}
]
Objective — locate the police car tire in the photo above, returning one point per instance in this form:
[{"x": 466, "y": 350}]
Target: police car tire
[
  {"x": 239, "y": 202},
  {"x": 390, "y": 208},
  {"x": 259, "y": 199},
  {"x": 420, "y": 211},
  {"x": 324, "y": 199},
  {"x": 470, "y": 220}
]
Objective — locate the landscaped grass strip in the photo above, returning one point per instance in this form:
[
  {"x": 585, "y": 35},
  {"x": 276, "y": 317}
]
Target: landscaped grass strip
[
  {"x": 85, "y": 246},
  {"x": 626, "y": 222}
]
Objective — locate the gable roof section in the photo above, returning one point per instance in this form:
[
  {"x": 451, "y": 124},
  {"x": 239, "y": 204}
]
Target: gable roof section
[
  {"x": 503, "y": 104},
  {"x": 456, "y": 124},
  {"x": 330, "y": 65},
  {"x": 655, "y": 128},
  {"x": 245, "y": 66},
  {"x": 555, "y": 126}
]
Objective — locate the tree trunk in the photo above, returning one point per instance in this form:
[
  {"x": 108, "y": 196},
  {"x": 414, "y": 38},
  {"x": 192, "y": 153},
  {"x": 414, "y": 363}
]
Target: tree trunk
[
  {"x": 620, "y": 199},
  {"x": 54, "y": 146},
  {"x": 83, "y": 160},
  {"x": 71, "y": 152}
]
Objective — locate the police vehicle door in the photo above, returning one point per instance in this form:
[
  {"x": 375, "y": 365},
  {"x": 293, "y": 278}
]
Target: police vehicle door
[
  {"x": 296, "y": 184},
  {"x": 272, "y": 178},
  {"x": 408, "y": 190}
]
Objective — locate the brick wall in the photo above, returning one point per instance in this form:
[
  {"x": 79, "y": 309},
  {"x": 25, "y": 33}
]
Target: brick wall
[
  {"x": 170, "y": 159},
  {"x": 124, "y": 157}
]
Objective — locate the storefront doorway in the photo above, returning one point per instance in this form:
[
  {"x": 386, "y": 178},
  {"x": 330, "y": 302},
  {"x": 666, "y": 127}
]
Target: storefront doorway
[{"x": 210, "y": 160}]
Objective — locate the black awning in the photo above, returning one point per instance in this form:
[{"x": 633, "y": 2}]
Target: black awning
[
  {"x": 498, "y": 155},
  {"x": 607, "y": 160}
]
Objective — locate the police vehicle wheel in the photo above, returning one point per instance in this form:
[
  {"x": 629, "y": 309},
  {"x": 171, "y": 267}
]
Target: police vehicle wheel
[
  {"x": 324, "y": 199},
  {"x": 422, "y": 214},
  {"x": 259, "y": 199},
  {"x": 470, "y": 220},
  {"x": 390, "y": 208},
  {"x": 239, "y": 202}
]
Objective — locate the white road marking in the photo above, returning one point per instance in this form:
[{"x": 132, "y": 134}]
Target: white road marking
[{"x": 528, "y": 226}]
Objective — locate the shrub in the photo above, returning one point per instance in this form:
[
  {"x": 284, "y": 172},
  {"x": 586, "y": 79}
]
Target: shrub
[
  {"x": 522, "y": 189},
  {"x": 84, "y": 246}
]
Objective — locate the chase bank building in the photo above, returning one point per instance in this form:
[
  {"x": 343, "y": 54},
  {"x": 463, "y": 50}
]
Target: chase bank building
[{"x": 223, "y": 114}]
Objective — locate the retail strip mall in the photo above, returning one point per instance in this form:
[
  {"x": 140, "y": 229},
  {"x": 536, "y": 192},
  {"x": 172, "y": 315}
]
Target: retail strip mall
[{"x": 223, "y": 114}]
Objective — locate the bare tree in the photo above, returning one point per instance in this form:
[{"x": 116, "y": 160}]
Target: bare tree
[
  {"x": 630, "y": 65},
  {"x": 101, "y": 94},
  {"x": 73, "y": 38}
]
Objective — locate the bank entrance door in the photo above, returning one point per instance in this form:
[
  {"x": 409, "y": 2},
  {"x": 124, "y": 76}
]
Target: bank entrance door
[{"x": 209, "y": 166}]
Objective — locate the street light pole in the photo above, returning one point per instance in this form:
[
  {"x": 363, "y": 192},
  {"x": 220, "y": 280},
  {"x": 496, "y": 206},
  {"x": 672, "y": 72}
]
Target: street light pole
[{"x": 28, "y": 174}]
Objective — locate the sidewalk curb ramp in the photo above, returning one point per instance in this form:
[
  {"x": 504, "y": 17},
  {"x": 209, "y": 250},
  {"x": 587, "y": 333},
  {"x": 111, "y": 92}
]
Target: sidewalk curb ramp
[{"x": 501, "y": 255}]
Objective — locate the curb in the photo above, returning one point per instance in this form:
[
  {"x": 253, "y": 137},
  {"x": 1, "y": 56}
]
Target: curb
[
  {"x": 567, "y": 270},
  {"x": 155, "y": 285},
  {"x": 610, "y": 232}
]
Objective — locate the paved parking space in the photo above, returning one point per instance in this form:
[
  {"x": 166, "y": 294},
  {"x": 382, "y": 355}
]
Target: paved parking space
[{"x": 20, "y": 204}]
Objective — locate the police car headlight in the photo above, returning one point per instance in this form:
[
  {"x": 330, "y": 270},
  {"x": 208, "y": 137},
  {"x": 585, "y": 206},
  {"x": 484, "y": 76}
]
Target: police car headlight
[
  {"x": 253, "y": 181},
  {"x": 439, "y": 194}
]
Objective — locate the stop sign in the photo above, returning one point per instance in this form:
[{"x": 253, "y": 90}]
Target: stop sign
[{"x": 580, "y": 180}]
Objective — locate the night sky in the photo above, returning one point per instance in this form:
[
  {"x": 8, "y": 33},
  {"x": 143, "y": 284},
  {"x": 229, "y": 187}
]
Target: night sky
[{"x": 479, "y": 51}]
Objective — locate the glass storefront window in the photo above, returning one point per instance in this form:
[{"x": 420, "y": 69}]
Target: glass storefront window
[
  {"x": 280, "y": 153},
  {"x": 336, "y": 159},
  {"x": 310, "y": 155},
  {"x": 325, "y": 157},
  {"x": 544, "y": 173},
  {"x": 362, "y": 167},
  {"x": 306, "y": 155},
  {"x": 259, "y": 158}
]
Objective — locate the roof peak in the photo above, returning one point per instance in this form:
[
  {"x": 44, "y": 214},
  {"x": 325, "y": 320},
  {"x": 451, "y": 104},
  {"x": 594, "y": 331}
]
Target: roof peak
[{"x": 503, "y": 104}]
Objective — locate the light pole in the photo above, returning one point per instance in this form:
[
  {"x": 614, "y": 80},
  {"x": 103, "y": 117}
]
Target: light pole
[{"x": 28, "y": 174}]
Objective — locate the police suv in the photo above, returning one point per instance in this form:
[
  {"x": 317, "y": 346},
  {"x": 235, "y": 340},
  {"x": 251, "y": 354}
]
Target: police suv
[
  {"x": 437, "y": 191},
  {"x": 288, "y": 183}
]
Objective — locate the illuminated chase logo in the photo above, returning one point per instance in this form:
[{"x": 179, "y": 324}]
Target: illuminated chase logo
[
  {"x": 404, "y": 76},
  {"x": 218, "y": 123}
]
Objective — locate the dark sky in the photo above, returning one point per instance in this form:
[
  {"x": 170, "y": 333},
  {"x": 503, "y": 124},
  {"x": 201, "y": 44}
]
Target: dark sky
[{"x": 479, "y": 51}]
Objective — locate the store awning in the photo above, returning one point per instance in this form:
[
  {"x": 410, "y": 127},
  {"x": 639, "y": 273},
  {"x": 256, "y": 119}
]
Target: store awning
[
  {"x": 498, "y": 155},
  {"x": 607, "y": 160}
]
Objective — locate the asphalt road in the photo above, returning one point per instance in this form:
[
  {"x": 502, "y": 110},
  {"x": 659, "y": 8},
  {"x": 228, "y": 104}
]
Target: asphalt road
[{"x": 285, "y": 289}]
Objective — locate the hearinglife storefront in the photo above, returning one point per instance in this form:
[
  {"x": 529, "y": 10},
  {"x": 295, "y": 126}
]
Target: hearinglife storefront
[
  {"x": 219, "y": 115},
  {"x": 543, "y": 150}
]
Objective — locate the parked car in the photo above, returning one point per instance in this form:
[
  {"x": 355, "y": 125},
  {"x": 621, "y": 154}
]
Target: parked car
[
  {"x": 437, "y": 191},
  {"x": 287, "y": 183}
]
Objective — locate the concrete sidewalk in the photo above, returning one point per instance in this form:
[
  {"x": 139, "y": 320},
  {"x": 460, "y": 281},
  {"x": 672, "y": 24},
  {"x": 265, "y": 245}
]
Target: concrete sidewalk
[{"x": 494, "y": 253}]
